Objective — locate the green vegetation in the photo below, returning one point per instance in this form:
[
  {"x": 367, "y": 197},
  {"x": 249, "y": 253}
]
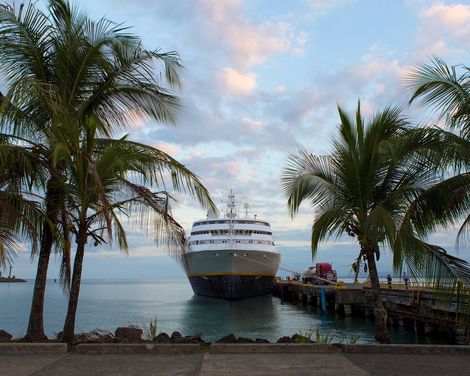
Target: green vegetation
[
  {"x": 72, "y": 84},
  {"x": 151, "y": 329},
  {"x": 318, "y": 336},
  {"x": 386, "y": 184}
]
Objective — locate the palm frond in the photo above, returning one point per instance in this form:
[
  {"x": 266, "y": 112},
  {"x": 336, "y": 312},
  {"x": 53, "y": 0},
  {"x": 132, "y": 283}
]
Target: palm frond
[
  {"x": 307, "y": 177},
  {"x": 440, "y": 87}
]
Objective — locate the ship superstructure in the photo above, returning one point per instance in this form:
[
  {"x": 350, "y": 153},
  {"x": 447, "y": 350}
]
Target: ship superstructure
[{"x": 231, "y": 257}]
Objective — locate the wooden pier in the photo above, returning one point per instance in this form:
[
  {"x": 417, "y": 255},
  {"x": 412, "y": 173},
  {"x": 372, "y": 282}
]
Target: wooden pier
[{"x": 417, "y": 308}]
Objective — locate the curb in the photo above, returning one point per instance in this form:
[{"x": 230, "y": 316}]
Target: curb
[
  {"x": 33, "y": 348},
  {"x": 227, "y": 348},
  {"x": 219, "y": 348},
  {"x": 406, "y": 349},
  {"x": 136, "y": 348},
  {"x": 244, "y": 348}
]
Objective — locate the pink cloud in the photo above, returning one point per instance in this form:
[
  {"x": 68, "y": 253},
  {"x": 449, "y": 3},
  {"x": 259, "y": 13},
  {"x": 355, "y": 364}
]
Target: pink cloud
[
  {"x": 248, "y": 43},
  {"x": 168, "y": 148},
  {"x": 280, "y": 89},
  {"x": 454, "y": 17},
  {"x": 237, "y": 83},
  {"x": 442, "y": 29},
  {"x": 373, "y": 68},
  {"x": 252, "y": 125}
]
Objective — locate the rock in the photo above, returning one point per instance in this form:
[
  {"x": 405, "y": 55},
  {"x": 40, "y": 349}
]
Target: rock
[
  {"x": 100, "y": 336},
  {"x": 175, "y": 336},
  {"x": 187, "y": 339},
  {"x": 244, "y": 340},
  {"x": 261, "y": 340},
  {"x": 162, "y": 338},
  {"x": 194, "y": 339},
  {"x": 104, "y": 339},
  {"x": 5, "y": 336},
  {"x": 81, "y": 338},
  {"x": 284, "y": 339},
  {"x": 181, "y": 340},
  {"x": 227, "y": 339},
  {"x": 297, "y": 338},
  {"x": 128, "y": 334}
]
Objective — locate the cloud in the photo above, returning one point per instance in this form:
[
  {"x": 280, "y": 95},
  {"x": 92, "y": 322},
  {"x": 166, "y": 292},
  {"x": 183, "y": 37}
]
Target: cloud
[
  {"x": 252, "y": 125},
  {"x": 170, "y": 149},
  {"x": 443, "y": 29},
  {"x": 280, "y": 89},
  {"x": 324, "y": 5},
  {"x": 237, "y": 83},
  {"x": 248, "y": 43},
  {"x": 455, "y": 18}
]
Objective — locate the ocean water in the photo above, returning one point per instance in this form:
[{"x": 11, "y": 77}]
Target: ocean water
[{"x": 107, "y": 304}]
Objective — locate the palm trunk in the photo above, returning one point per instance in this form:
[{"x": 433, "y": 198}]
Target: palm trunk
[
  {"x": 36, "y": 318},
  {"x": 35, "y": 330},
  {"x": 69, "y": 325},
  {"x": 380, "y": 313}
]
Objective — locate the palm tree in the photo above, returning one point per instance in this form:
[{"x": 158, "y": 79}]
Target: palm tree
[
  {"x": 103, "y": 188},
  {"x": 365, "y": 188},
  {"x": 64, "y": 70}
]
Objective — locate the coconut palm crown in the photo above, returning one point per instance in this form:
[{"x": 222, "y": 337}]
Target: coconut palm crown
[
  {"x": 65, "y": 71},
  {"x": 365, "y": 189}
]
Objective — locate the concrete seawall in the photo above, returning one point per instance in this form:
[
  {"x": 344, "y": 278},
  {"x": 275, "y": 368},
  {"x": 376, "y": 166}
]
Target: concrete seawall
[{"x": 226, "y": 348}]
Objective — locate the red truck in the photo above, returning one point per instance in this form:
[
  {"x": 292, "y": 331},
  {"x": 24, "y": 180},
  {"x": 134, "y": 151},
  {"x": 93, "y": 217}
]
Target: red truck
[{"x": 320, "y": 274}]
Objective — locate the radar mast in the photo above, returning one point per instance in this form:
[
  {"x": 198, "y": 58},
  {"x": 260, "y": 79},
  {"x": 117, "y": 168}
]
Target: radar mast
[{"x": 231, "y": 208}]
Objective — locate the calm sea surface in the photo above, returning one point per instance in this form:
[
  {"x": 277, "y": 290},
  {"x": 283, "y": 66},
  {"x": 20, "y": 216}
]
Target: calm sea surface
[{"x": 107, "y": 304}]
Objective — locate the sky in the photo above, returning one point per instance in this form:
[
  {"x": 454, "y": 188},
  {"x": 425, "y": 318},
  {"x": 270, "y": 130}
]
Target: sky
[{"x": 261, "y": 80}]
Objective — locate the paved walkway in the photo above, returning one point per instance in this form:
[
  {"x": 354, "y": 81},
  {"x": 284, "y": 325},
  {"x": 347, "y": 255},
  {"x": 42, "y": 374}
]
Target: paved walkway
[{"x": 208, "y": 364}]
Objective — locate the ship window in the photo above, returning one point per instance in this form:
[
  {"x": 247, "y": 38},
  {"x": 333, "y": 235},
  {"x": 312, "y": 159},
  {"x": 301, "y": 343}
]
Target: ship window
[
  {"x": 236, "y": 232},
  {"x": 234, "y": 221}
]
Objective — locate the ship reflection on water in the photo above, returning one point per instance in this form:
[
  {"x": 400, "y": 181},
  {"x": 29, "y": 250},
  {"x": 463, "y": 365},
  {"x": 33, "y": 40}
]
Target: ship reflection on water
[{"x": 251, "y": 317}]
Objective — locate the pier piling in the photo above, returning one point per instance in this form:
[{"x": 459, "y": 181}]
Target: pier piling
[{"x": 347, "y": 309}]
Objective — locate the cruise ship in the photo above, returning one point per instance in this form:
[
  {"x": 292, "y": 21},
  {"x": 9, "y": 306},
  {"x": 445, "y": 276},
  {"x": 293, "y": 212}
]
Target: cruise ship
[{"x": 231, "y": 257}]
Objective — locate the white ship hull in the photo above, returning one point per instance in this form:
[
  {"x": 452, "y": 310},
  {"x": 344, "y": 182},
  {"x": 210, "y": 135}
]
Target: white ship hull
[
  {"x": 230, "y": 257},
  {"x": 232, "y": 274}
]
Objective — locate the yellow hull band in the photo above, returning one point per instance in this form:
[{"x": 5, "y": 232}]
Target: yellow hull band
[{"x": 230, "y": 273}]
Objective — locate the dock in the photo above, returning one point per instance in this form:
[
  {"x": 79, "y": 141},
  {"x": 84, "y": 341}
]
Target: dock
[
  {"x": 420, "y": 309},
  {"x": 11, "y": 279}
]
